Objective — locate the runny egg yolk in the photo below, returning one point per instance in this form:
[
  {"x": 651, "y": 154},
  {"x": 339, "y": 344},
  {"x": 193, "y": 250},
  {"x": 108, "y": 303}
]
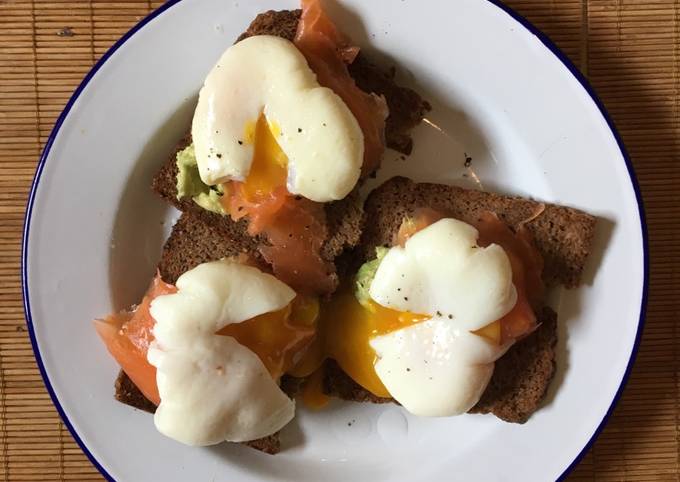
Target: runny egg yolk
[
  {"x": 269, "y": 169},
  {"x": 345, "y": 329},
  {"x": 279, "y": 337}
]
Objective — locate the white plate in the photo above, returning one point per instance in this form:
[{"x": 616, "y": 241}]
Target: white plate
[{"x": 501, "y": 93}]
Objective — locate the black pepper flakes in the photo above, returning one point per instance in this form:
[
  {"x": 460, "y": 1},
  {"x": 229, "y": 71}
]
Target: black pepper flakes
[
  {"x": 299, "y": 130},
  {"x": 219, "y": 156},
  {"x": 240, "y": 142},
  {"x": 439, "y": 313},
  {"x": 450, "y": 317}
]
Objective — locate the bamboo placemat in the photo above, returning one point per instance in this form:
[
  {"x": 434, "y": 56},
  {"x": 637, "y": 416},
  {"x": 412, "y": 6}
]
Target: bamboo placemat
[{"x": 629, "y": 49}]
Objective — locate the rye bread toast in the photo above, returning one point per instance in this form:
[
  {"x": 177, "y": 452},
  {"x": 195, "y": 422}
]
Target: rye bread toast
[
  {"x": 563, "y": 236},
  {"x": 343, "y": 217},
  {"x": 191, "y": 243}
]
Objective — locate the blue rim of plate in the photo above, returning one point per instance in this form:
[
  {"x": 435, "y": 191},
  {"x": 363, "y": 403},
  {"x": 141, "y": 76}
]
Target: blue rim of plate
[{"x": 549, "y": 44}]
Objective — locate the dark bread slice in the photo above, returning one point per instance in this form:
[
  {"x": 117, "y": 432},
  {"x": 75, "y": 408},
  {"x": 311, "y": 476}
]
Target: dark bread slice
[
  {"x": 191, "y": 243},
  {"x": 522, "y": 375},
  {"x": 128, "y": 393},
  {"x": 344, "y": 218},
  {"x": 337, "y": 383},
  {"x": 563, "y": 236}
]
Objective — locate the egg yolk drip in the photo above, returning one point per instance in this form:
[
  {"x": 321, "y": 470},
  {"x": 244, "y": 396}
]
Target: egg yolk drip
[
  {"x": 268, "y": 172},
  {"x": 279, "y": 337},
  {"x": 264, "y": 191},
  {"x": 346, "y": 326},
  {"x": 345, "y": 329},
  {"x": 295, "y": 227}
]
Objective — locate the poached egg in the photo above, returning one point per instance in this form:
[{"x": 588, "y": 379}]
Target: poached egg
[
  {"x": 429, "y": 334},
  {"x": 312, "y": 139},
  {"x": 213, "y": 387},
  {"x": 440, "y": 367}
]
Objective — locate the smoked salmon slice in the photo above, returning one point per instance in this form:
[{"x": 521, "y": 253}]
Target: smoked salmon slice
[
  {"x": 328, "y": 52},
  {"x": 127, "y": 336}
]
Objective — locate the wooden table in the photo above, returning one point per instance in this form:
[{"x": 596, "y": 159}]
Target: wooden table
[{"x": 630, "y": 51}]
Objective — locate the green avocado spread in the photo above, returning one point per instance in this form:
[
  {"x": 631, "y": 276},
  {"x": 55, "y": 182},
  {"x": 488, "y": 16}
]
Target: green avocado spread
[
  {"x": 189, "y": 183},
  {"x": 365, "y": 276}
]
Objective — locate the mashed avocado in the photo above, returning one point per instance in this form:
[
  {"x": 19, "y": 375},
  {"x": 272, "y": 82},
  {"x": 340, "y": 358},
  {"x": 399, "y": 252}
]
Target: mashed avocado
[
  {"x": 365, "y": 276},
  {"x": 189, "y": 183}
]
